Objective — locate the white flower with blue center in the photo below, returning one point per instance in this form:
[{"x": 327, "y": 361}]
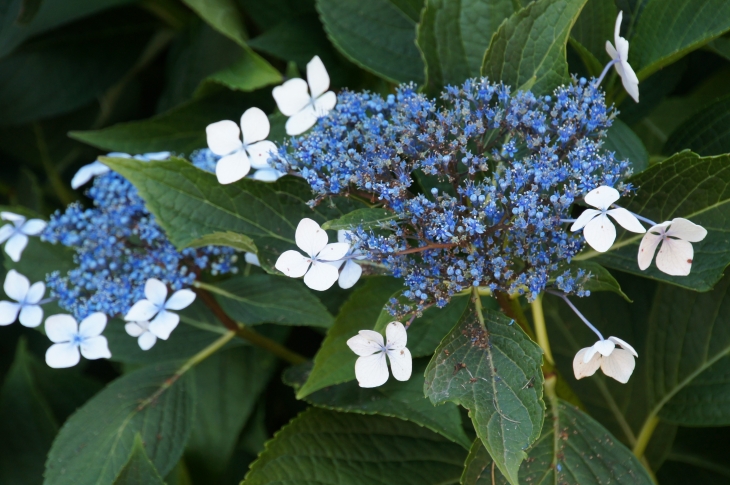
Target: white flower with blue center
[
  {"x": 71, "y": 340},
  {"x": 155, "y": 309},
  {"x": 26, "y": 307},
  {"x": 88, "y": 172},
  {"x": 16, "y": 233},
  {"x": 371, "y": 370}
]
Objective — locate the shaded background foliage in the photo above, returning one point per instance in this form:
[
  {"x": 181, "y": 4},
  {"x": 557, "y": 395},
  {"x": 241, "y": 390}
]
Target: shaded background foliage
[{"x": 79, "y": 78}]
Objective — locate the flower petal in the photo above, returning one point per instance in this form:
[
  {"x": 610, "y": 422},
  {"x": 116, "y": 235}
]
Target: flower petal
[
  {"x": 156, "y": 156},
  {"x": 344, "y": 236},
  {"x": 401, "y": 363},
  {"x": 627, "y": 220},
  {"x": 611, "y": 50},
  {"x": 617, "y": 26},
  {"x": 317, "y": 77},
  {"x": 349, "y": 275},
  {"x": 583, "y": 369},
  {"x": 232, "y": 168},
  {"x": 87, "y": 172},
  {"x": 310, "y": 237},
  {"x": 254, "y": 125},
  {"x": 35, "y": 293},
  {"x": 583, "y": 219},
  {"x": 301, "y": 121},
  {"x": 333, "y": 252},
  {"x": 292, "y": 96},
  {"x": 95, "y": 348},
  {"x": 164, "y": 323},
  {"x": 15, "y": 246},
  {"x": 6, "y": 231},
  {"x": 141, "y": 311},
  {"x": 8, "y": 312},
  {"x": 267, "y": 175},
  {"x": 252, "y": 258},
  {"x": 31, "y": 316},
  {"x": 675, "y": 257},
  {"x": 602, "y": 197},
  {"x": 321, "y": 276},
  {"x": 180, "y": 299},
  {"x": 223, "y": 137},
  {"x": 156, "y": 292},
  {"x": 61, "y": 328},
  {"x": 686, "y": 230},
  {"x": 93, "y": 325},
  {"x": 325, "y": 103},
  {"x": 647, "y": 248},
  {"x": 366, "y": 342},
  {"x": 16, "y": 219},
  {"x": 619, "y": 365},
  {"x": 623, "y": 345},
  {"x": 292, "y": 264},
  {"x": 396, "y": 335},
  {"x": 260, "y": 154},
  {"x": 133, "y": 329},
  {"x": 146, "y": 341},
  {"x": 604, "y": 347},
  {"x": 627, "y": 79},
  {"x": 63, "y": 355},
  {"x": 371, "y": 370},
  {"x": 16, "y": 286},
  {"x": 600, "y": 233}
]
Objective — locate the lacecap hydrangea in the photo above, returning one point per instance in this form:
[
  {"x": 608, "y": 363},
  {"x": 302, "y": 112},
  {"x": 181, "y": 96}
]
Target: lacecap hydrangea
[
  {"x": 480, "y": 183},
  {"x": 118, "y": 247}
]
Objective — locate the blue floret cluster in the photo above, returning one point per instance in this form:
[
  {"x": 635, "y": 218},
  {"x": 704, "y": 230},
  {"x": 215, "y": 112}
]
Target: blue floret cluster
[
  {"x": 479, "y": 181},
  {"x": 118, "y": 246}
]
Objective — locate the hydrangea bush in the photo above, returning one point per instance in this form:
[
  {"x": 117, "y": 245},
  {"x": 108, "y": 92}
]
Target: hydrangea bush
[{"x": 490, "y": 202}]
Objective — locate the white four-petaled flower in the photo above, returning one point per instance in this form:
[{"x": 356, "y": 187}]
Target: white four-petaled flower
[
  {"x": 319, "y": 274},
  {"x": 69, "y": 338},
  {"x": 616, "y": 363},
  {"x": 224, "y": 139},
  {"x": 155, "y": 309},
  {"x": 145, "y": 338},
  {"x": 87, "y": 172},
  {"x": 303, "y": 102},
  {"x": 620, "y": 56},
  {"x": 371, "y": 369},
  {"x": 16, "y": 233},
  {"x": 676, "y": 253},
  {"x": 27, "y": 296},
  {"x": 351, "y": 271},
  {"x": 598, "y": 231}
]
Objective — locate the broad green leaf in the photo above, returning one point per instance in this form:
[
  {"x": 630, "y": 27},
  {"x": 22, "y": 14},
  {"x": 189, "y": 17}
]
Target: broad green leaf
[
  {"x": 600, "y": 279},
  {"x": 528, "y": 49},
  {"x": 573, "y": 449},
  {"x": 685, "y": 185},
  {"x": 179, "y": 130},
  {"x": 697, "y": 457},
  {"x": 249, "y": 73},
  {"x": 223, "y": 16},
  {"x": 669, "y": 29},
  {"x": 231, "y": 239},
  {"x": 335, "y": 362},
  {"x": 228, "y": 385},
  {"x": 376, "y": 35},
  {"x": 706, "y": 133},
  {"x": 95, "y": 443},
  {"x": 267, "y": 298},
  {"x": 139, "y": 470},
  {"x": 591, "y": 31},
  {"x": 397, "y": 399},
  {"x": 366, "y": 218},
  {"x": 488, "y": 365},
  {"x": 189, "y": 203},
  {"x": 627, "y": 146},
  {"x": 267, "y": 15},
  {"x": 327, "y": 447},
  {"x": 453, "y": 36}
]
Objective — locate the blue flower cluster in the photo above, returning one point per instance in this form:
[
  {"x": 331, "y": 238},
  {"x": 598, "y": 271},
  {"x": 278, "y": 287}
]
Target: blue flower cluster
[
  {"x": 118, "y": 247},
  {"x": 480, "y": 181}
]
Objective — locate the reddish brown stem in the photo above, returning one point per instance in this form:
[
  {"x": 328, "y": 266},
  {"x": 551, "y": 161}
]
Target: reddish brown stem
[{"x": 426, "y": 248}]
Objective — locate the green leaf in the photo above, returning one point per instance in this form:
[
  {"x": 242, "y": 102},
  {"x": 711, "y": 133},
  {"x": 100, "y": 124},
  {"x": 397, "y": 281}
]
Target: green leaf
[
  {"x": 95, "y": 443},
  {"x": 573, "y": 450},
  {"x": 335, "y": 362},
  {"x": 139, "y": 470},
  {"x": 368, "y": 218},
  {"x": 627, "y": 146},
  {"x": 258, "y": 299},
  {"x": 591, "y": 31},
  {"x": 376, "y": 35},
  {"x": 488, "y": 365},
  {"x": 189, "y": 203},
  {"x": 231, "y": 239},
  {"x": 249, "y": 73},
  {"x": 706, "y": 133},
  {"x": 669, "y": 29},
  {"x": 267, "y": 15},
  {"x": 453, "y": 36},
  {"x": 327, "y": 447},
  {"x": 180, "y": 130},
  {"x": 688, "y": 186},
  {"x": 528, "y": 50},
  {"x": 397, "y": 399},
  {"x": 600, "y": 280},
  {"x": 223, "y": 16}
]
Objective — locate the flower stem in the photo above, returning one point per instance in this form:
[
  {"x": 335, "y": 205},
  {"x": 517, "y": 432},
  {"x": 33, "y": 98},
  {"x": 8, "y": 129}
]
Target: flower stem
[
  {"x": 577, "y": 312},
  {"x": 538, "y": 317},
  {"x": 642, "y": 441},
  {"x": 246, "y": 333},
  {"x": 425, "y": 248},
  {"x": 605, "y": 71},
  {"x": 512, "y": 309}
]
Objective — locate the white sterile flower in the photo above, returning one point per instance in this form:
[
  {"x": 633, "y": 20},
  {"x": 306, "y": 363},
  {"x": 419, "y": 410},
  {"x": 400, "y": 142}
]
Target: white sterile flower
[
  {"x": 145, "y": 338},
  {"x": 16, "y": 233},
  {"x": 87, "y": 172},
  {"x": 251, "y": 258},
  {"x": 69, "y": 338},
  {"x": 370, "y": 368},
  {"x": 303, "y": 102},
  {"x": 224, "y": 139},
  {"x": 155, "y": 309},
  {"x": 28, "y": 297},
  {"x": 676, "y": 252},
  {"x": 351, "y": 271},
  {"x": 598, "y": 231},
  {"x": 620, "y": 55},
  {"x": 616, "y": 363},
  {"x": 318, "y": 273}
]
